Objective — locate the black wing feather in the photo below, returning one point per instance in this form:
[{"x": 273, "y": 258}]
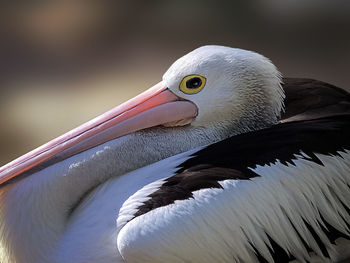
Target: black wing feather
[{"x": 232, "y": 158}]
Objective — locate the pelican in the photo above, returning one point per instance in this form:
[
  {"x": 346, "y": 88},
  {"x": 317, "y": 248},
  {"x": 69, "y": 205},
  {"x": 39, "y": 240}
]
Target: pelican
[{"x": 221, "y": 161}]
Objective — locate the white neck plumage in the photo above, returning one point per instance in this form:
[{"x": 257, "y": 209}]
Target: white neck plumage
[{"x": 35, "y": 210}]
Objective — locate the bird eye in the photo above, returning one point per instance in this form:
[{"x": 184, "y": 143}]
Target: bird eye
[{"x": 192, "y": 84}]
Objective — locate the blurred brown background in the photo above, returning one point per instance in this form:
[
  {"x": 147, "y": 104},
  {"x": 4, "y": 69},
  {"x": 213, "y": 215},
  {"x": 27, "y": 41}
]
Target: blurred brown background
[{"x": 64, "y": 62}]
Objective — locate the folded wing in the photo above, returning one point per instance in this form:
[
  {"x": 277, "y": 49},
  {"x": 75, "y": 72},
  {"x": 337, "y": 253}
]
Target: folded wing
[{"x": 272, "y": 195}]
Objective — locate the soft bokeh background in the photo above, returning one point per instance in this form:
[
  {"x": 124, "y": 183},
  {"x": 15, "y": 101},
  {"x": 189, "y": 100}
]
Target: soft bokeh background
[{"x": 64, "y": 62}]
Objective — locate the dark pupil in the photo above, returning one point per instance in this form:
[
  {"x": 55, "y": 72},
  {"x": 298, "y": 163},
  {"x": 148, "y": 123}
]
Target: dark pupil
[{"x": 193, "y": 83}]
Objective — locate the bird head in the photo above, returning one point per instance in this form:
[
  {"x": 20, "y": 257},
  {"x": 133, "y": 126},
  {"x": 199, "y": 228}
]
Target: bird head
[{"x": 227, "y": 85}]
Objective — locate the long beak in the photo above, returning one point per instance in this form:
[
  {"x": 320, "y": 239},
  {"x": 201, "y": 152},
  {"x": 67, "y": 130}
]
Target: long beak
[{"x": 155, "y": 106}]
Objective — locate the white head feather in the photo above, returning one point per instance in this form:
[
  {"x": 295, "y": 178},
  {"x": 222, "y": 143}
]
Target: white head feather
[{"x": 242, "y": 87}]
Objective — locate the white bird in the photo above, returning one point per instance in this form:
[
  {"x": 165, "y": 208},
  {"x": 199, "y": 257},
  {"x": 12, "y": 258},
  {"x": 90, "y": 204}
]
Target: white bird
[{"x": 199, "y": 168}]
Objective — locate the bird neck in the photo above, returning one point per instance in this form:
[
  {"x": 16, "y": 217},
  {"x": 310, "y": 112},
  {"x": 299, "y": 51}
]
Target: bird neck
[{"x": 35, "y": 211}]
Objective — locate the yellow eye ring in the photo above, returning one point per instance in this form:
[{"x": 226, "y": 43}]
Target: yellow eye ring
[{"x": 192, "y": 84}]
